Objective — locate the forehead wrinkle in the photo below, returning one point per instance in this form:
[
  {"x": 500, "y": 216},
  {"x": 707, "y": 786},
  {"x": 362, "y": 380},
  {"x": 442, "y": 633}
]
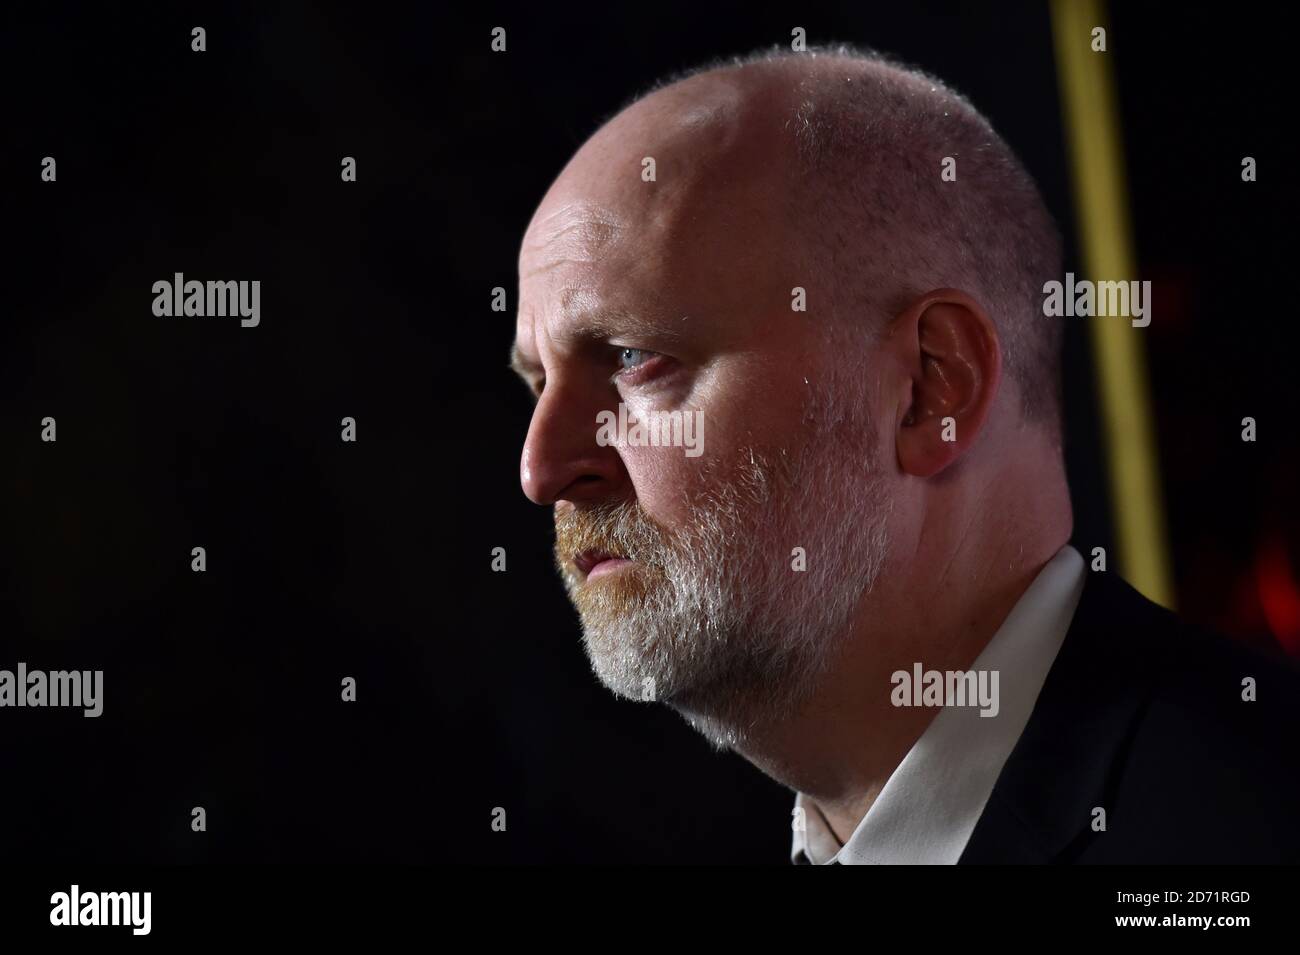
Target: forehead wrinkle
[{"x": 577, "y": 232}]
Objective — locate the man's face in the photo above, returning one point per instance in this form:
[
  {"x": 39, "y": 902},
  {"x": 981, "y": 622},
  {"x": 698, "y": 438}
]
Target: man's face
[{"x": 704, "y": 576}]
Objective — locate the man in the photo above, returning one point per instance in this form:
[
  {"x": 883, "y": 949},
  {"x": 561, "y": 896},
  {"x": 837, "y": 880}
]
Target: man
[{"x": 854, "y": 568}]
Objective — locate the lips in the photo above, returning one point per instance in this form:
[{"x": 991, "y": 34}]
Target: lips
[{"x": 589, "y": 560}]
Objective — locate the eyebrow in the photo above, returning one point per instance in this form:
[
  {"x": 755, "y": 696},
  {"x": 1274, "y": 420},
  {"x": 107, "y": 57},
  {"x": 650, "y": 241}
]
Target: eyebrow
[
  {"x": 598, "y": 323},
  {"x": 606, "y": 322},
  {"x": 594, "y": 325}
]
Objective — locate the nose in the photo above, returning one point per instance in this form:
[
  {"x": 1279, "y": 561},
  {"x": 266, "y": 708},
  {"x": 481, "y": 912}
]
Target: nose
[{"x": 561, "y": 460}]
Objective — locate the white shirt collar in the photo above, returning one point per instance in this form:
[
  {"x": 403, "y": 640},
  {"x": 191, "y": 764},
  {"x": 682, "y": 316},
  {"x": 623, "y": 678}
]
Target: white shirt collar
[{"x": 928, "y": 808}]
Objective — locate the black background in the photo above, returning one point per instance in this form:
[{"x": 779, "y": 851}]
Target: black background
[{"x": 372, "y": 560}]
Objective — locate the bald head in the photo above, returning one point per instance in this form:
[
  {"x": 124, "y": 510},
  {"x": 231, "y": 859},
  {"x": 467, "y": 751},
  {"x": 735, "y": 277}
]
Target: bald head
[
  {"x": 673, "y": 177},
  {"x": 844, "y": 154}
]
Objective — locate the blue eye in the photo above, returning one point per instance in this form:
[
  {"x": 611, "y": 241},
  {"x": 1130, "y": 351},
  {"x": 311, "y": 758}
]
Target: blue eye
[{"x": 631, "y": 357}]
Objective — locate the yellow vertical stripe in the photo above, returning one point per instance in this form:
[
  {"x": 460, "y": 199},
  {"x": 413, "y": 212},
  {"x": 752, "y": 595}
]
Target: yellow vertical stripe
[{"x": 1101, "y": 200}]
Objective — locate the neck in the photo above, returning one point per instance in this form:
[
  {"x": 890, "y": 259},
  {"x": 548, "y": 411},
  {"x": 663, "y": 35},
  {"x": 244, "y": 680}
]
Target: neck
[{"x": 939, "y": 606}]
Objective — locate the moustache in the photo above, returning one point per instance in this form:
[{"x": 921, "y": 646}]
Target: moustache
[{"x": 610, "y": 530}]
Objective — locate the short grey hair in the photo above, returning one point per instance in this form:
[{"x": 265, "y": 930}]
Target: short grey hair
[{"x": 871, "y": 134}]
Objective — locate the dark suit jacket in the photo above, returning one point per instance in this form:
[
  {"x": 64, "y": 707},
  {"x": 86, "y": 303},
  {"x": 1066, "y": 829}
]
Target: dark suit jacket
[{"x": 1142, "y": 715}]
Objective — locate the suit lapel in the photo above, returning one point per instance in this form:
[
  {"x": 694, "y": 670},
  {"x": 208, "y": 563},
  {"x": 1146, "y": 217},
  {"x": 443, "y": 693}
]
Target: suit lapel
[{"x": 1068, "y": 758}]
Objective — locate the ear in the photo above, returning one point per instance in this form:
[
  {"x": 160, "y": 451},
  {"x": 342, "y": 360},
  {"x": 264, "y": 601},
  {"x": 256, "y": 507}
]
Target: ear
[{"x": 951, "y": 351}]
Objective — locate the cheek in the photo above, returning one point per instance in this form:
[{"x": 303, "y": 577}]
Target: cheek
[
  {"x": 754, "y": 403},
  {"x": 666, "y": 481}
]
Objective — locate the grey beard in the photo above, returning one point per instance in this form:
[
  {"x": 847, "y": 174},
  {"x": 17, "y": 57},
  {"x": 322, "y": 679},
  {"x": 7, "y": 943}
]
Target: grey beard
[{"x": 729, "y": 634}]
